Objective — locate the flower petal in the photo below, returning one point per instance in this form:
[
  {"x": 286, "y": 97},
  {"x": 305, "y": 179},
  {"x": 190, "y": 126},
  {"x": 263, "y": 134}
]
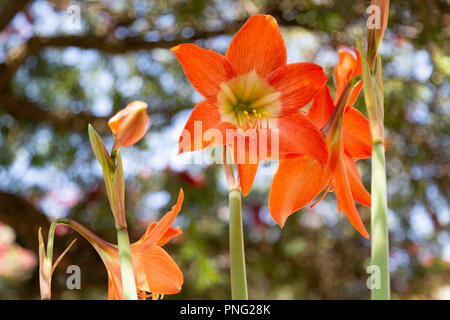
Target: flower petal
[
  {"x": 298, "y": 83},
  {"x": 299, "y": 136},
  {"x": 157, "y": 232},
  {"x": 258, "y": 46},
  {"x": 296, "y": 183},
  {"x": 203, "y": 128},
  {"x": 170, "y": 233},
  {"x": 337, "y": 169},
  {"x": 115, "y": 290},
  {"x": 357, "y": 136},
  {"x": 354, "y": 95},
  {"x": 346, "y": 69},
  {"x": 247, "y": 173},
  {"x": 322, "y": 108},
  {"x": 204, "y": 68},
  {"x": 155, "y": 270},
  {"x": 359, "y": 193}
]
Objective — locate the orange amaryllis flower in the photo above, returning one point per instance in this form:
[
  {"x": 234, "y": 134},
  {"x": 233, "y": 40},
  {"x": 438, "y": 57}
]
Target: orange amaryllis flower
[
  {"x": 129, "y": 124},
  {"x": 299, "y": 180},
  {"x": 155, "y": 271},
  {"x": 250, "y": 94}
]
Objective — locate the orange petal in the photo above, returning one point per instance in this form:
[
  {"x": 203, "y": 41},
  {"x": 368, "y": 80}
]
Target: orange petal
[
  {"x": 298, "y": 83},
  {"x": 204, "y": 68},
  {"x": 115, "y": 290},
  {"x": 359, "y": 193},
  {"x": 344, "y": 195},
  {"x": 160, "y": 230},
  {"x": 204, "y": 119},
  {"x": 258, "y": 46},
  {"x": 354, "y": 95},
  {"x": 296, "y": 183},
  {"x": 344, "y": 71},
  {"x": 299, "y": 136},
  {"x": 322, "y": 108},
  {"x": 155, "y": 270},
  {"x": 247, "y": 173},
  {"x": 170, "y": 233},
  {"x": 357, "y": 136}
]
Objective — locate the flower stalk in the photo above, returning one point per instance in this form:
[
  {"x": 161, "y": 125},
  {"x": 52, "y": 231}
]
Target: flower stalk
[
  {"x": 373, "y": 96},
  {"x": 236, "y": 234},
  {"x": 237, "y": 254},
  {"x": 115, "y": 187},
  {"x": 126, "y": 265}
]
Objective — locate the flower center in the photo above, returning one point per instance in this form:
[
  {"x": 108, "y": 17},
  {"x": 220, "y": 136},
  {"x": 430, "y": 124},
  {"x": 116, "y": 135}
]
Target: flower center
[{"x": 248, "y": 101}]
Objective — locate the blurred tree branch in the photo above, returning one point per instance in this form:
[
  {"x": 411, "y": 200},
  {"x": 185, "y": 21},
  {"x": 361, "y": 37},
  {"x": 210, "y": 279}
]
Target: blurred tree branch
[
  {"x": 10, "y": 10},
  {"x": 24, "y": 110}
]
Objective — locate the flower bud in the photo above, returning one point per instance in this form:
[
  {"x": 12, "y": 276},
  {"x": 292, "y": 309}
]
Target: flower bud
[
  {"x": 129, "y": 124},
  {"x": 376, "y": 32}
]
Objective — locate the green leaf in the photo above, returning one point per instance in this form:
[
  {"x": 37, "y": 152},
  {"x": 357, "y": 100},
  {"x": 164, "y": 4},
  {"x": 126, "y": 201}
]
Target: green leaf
[{"x": 101, "y": 153}]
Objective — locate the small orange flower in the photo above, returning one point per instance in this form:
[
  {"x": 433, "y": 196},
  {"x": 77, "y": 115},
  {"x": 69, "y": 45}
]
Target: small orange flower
[
  {"x": 252, "y": 88},
  {"x": 299, "y": 180},
  {"x": 155, "y": 271},
  {"x": 129, "y": 124}
]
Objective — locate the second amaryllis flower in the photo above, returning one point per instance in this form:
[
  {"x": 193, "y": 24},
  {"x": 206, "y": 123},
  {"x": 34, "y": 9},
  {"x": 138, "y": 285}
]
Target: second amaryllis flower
[
  {"x": 250, "y": 93},
  {"x": 299, "y": 180}
]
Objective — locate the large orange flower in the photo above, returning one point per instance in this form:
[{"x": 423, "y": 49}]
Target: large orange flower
[
  {"x": 155, "y": 271},
  {"x": 299, "y": 180},
  {"x": 251, "y": 93}
]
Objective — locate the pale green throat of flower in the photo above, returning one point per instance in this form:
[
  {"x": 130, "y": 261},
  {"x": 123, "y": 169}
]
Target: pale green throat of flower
[{"x": 248, "y": 101}]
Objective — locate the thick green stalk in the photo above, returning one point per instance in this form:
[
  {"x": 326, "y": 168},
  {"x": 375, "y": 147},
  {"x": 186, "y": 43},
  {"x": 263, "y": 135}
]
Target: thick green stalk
[
  {"x": 126, "y": 265},
  {"x": 380, "y": 235},
  {"x": 237, "y": 255}
]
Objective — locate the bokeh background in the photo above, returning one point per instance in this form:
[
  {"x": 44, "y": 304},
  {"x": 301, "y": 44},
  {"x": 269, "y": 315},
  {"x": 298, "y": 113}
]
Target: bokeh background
[{"x": 64, "y": 64}]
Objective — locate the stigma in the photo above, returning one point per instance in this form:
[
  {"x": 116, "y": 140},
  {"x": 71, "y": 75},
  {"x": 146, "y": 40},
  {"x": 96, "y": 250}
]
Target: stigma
[{"x": 248, "y": 101}]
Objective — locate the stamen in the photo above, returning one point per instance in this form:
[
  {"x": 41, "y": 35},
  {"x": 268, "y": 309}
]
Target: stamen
[
  {"x": 247, "y": 123},
  {"x": 246, "y": 100}
]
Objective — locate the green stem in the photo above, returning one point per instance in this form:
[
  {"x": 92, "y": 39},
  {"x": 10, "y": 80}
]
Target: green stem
[
  {"x": 380, "y": 235},
  {"x": 126, "y": 265},
  {"x": 50, "y": 240},
  {"x": 237, "y": 255}
]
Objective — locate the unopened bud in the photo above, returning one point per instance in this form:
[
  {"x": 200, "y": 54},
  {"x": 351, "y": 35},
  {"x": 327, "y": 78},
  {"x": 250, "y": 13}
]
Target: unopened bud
[
  {"x": 377, "y": 27},
  {"x": 129, "y": 124}
]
